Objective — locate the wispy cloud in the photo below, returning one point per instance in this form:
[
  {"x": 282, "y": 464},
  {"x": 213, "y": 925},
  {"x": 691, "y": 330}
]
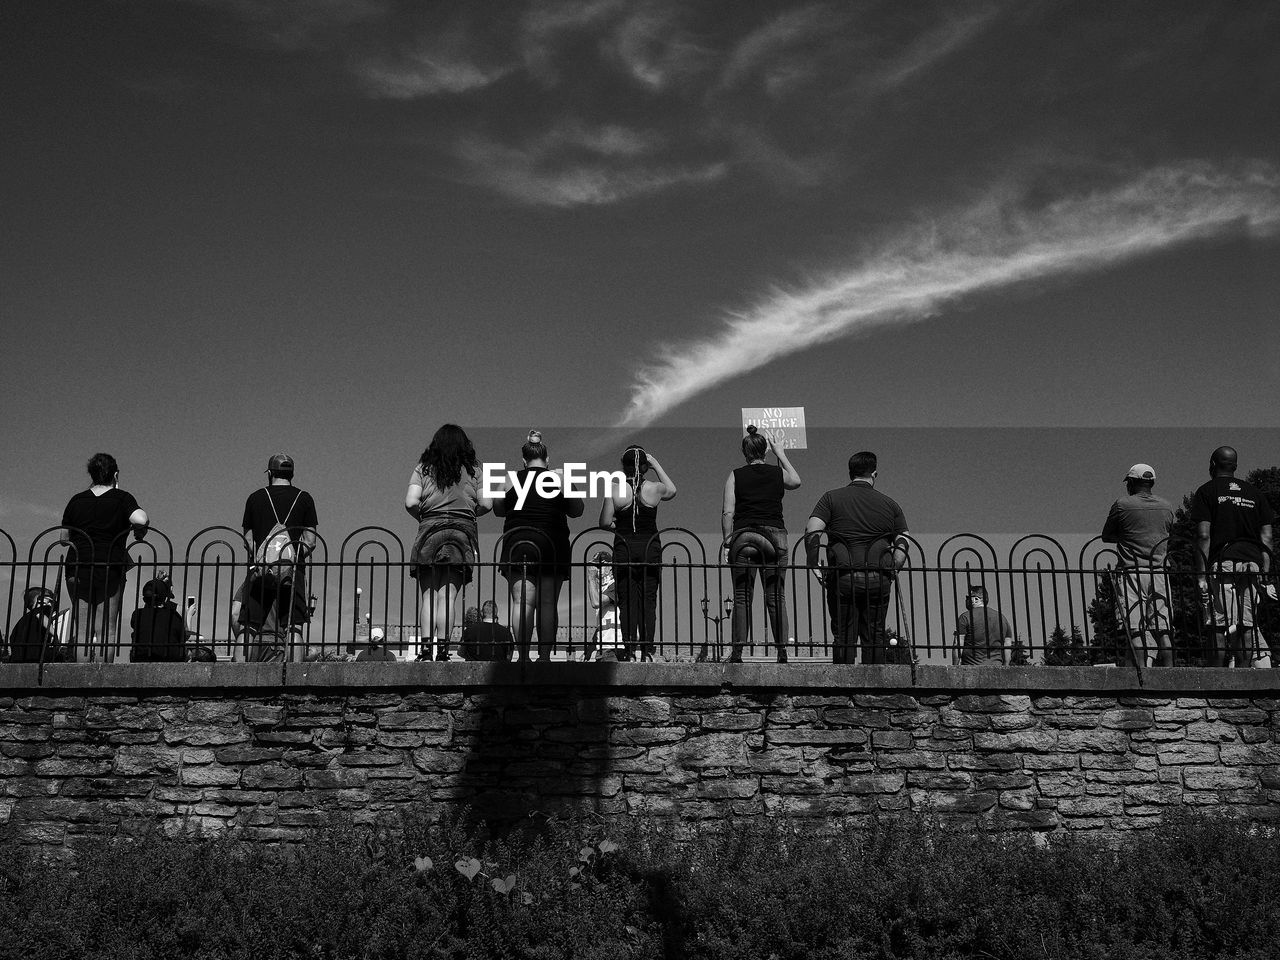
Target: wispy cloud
[
  {"x": 428, "y": 71},
  {"x": 574, "y": 164},
  {"x": 777, "y": 39},
  {"x": 991, "y": 246},
  {"x": 931, "y": 48}
]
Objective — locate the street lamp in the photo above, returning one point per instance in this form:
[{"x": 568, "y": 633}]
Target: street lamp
[{"x": 706, "y": 615}]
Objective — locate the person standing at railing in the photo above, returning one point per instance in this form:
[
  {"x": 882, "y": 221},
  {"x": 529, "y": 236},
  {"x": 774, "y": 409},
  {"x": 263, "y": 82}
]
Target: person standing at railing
[
  {"x": 97, "y": 522},
  {"x": 866, "y": 547},
  {"x": 1233, "y": 546},
  {"x": 632, "y": 515},
  {"x": 755, "y": 537},
  {"x": 443, "y": 496},
  {"x": 270, "y": 607},
  {"x": 535, "y": 549},
  {"x": 1138, "y": 524}
]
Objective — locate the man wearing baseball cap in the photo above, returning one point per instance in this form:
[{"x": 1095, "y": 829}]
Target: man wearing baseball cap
[
  {"x": 268, "y": 609},
  {"x": 1138, "y": 525},
  {"x": 1233, "y": 543}
]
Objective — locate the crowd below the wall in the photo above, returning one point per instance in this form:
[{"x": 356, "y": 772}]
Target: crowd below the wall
[{"x": 855, "y": 544}]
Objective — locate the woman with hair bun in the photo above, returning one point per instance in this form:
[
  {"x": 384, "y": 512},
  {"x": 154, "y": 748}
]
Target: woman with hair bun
[
  {"x": 443, "y": 498},
  {"x": 535, "y": 549},
  {"x": 755, "y": 537},
  {"x": 632, "y": 515}
]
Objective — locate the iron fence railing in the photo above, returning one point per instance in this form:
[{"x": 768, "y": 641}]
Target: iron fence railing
[{"x": 1060, "y": 609}]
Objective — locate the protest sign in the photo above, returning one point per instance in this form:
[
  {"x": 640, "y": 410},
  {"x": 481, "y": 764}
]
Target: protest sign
[{"x": 783, "y": 425}]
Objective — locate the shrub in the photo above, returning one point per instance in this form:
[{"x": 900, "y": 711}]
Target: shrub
[{"x": 910, "y": 887}]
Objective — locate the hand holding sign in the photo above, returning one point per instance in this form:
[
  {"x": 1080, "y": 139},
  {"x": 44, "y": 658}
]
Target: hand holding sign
[{"x": 783, "y": 427}]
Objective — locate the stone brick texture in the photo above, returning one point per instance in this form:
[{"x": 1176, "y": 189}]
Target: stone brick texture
[{"x": 273, "y": 764}]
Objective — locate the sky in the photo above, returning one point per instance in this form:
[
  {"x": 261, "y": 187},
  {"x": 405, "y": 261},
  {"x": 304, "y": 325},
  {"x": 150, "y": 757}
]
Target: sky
[{"x": 1012, "y": 247}]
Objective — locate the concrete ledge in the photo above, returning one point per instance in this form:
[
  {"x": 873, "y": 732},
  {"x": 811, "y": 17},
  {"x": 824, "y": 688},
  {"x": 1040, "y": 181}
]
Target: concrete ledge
[
  {"x": 157, "y": 676},
  {"x": 169, "y": 677},
  {"x": 19, "y": 675}
]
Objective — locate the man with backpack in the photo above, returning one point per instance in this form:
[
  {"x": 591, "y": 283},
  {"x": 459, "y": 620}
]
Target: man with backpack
[{"x": 279, "y": 523}]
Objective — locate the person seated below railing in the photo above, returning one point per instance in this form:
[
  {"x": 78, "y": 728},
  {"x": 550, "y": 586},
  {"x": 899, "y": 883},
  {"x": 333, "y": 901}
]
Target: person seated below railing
[
  {"x": 158, "y": 631},
  {"x": 983, "y": 636},
  {"x": 32, "y": 639},
  {"x": 486, "y": 639}
]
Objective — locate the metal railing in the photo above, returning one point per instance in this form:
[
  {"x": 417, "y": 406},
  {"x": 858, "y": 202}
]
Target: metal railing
[{"x": 1059, "y": 609}]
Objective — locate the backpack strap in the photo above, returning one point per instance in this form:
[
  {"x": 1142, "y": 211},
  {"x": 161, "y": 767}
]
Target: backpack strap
[{"x": 276, "y": 513}]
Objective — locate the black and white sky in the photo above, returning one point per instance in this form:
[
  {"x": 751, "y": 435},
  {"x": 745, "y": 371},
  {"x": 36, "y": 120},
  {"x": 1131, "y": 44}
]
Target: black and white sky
[{"x": 237, "y": 226}]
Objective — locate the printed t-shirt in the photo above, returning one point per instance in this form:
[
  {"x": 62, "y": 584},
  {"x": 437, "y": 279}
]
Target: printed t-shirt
[{"x": 1236, "y": 511}]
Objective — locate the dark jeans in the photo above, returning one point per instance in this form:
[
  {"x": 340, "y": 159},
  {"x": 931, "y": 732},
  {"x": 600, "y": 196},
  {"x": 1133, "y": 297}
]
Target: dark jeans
[
  {"x": 637, "y": 573},
  {"x": 858, "y": 603}
]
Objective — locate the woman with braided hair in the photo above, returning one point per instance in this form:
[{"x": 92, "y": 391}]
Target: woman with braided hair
[
  {"x": 632, "y": 515},
  {"x": 755, "y": 537}
]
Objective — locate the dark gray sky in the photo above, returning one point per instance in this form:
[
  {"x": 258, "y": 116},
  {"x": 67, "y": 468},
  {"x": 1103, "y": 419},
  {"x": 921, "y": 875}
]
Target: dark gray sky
[{"x": 237, "y": 226}]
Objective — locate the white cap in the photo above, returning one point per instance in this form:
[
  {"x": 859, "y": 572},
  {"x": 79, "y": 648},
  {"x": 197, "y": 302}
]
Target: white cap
[
  {"x": 376, "y": 634},
  {"x": 1141, "y": 471}
]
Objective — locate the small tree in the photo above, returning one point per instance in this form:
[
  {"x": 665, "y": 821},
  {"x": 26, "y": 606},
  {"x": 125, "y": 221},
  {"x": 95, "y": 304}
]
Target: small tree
[
  {"x": 1109, "y": 638},
  {"x": 1065, "y": 650},
  {"x": 1019, "y": 655}
]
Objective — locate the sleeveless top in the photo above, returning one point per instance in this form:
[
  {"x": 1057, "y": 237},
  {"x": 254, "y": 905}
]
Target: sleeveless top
[
  {"x": 757, "y": 496},
  {"x": 636, "y": 518}
]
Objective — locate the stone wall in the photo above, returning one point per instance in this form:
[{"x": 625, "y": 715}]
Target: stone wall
[{"x": 272, "y": 751}]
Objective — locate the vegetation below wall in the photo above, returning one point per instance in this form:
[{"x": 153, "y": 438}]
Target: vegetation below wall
[{"x": 908, "y": 888}]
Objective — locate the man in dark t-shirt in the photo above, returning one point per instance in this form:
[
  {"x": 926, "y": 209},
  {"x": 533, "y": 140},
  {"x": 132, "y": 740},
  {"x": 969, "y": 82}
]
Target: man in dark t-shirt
[
  {"x": 487, "y": 639},
  {"x": 1233, "y": 537},
  {"x": 271, "y": 605},
  {"x": 866, "y": 546}
]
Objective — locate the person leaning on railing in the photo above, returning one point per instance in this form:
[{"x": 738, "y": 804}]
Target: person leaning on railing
[
  {"x": 1233, "y": 537},
  {"x": 755, "y": 537},
  {"x": 1138, "y": 524},
  {"x": 866, "y": 548},
  {"x": 97, "y": 522},
  {"x": 443, "y": 497},
  {"x": 632, "y": 515},
  {"x": 535, "y": 550}
]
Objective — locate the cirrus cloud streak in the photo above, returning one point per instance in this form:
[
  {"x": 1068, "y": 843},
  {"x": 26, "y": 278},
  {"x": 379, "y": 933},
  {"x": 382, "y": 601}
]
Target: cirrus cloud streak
[{"x": 988, "y": 247}]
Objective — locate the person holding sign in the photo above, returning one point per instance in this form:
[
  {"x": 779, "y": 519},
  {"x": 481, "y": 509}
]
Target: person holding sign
[{"x": 755, "y": 537}]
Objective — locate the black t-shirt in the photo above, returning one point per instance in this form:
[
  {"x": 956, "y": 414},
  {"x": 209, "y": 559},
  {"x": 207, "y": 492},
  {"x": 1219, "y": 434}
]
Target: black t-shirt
[
  {"x": 861, "y": 523},
  {"x": 98, "y": 527},
  {"x": 541, "y": 513},
  {"x": 487, "y": 640},
  {"x": 1236, "y": 511},
  {"x": 30, "y": 634},
  {"x": 757, "y": 496},
  {"x": 260, "y": 518},
  {"x": 159, "y": 635}
]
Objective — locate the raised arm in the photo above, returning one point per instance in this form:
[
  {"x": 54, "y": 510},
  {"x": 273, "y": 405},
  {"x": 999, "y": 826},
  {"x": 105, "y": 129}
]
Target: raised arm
[
  {"x": 606, "y": 513},
  {"x": 790, "y": 479},
  {"x": 668, "y": 485}
]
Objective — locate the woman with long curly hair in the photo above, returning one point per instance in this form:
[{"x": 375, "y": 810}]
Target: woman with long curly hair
[{"x": 444, "y": 498}]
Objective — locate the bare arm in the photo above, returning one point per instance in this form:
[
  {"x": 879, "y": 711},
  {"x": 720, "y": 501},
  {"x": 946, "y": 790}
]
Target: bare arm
[
  {"x": 606, "y": 513},
  {"x": 790, "y": 479},
  {"x": 140, "y": 523},
  {"x": 1202, "y": 547},
  {"x": 812, "y": 543},
  {"x": 668, "y": 486},
  {"x": 575, "y": 506},
  {"x": 412, "y": 498},
  {"x": 728, "y": 506},
  {"x": 1265, "y": 536}
]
